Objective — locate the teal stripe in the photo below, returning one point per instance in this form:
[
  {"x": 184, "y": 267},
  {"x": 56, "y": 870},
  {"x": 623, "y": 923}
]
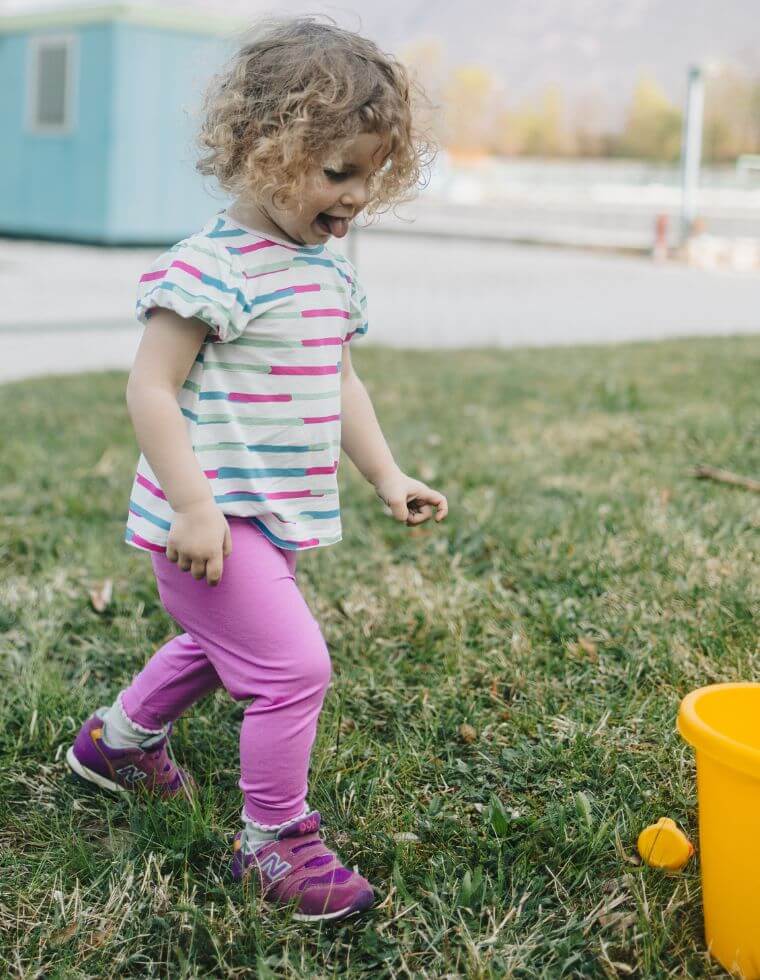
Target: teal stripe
[
  {"x": 246, "y": 473},
  {"x": 232, "y": 498},
  {"x": 288, "y": 545},
  {"x": 142, "y": 512},
  {"x": 329, "y": 263},
  {"x": 265, "y": 447}
]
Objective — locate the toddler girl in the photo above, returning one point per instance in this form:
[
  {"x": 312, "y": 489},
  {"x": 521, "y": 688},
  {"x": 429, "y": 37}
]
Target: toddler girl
[{"x": 242, "y": 394}]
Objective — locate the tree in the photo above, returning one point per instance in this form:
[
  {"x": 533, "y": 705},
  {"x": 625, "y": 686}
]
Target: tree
[
  {"x": 653, "y": 124},
  {"x": 469, "y": 98},
  {"x": 536, "y": 129},
  {"x": 732, "y": 114}
]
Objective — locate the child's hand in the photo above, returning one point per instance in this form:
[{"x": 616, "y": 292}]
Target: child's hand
[
  {"x": 409, "y": 500},
  {"x": 199, "y": 541}
]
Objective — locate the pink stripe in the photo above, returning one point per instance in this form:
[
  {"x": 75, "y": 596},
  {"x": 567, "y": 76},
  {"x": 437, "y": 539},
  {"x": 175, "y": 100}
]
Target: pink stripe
[
  {"x": 291, "y": 494},
  {"x": 191, "y": 270},
  {"x": 151, "y": 487},
  {"x": 136, "y": 539},
  {"x": 321, "y": 418},
  {"x": 343, "y": 313},
  {"x": 150, "y": 276},
  {"x": 258, "y": 275},
  {"x": 255, "y": 247},
  {"x": 292, "y": 248},
  {"x": 322, "y": 341},
  {"x": 322, "y": 470},
  {"x": 350, "y": 334},
  {"x": 241, "y": 396},
  {"x": 285, "y": 369},
  {"x": 309, "y": 287},
  {"x": 211, "y": 474}
]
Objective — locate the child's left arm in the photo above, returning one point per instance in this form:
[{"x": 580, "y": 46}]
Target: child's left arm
[{"x": 363, "y": 442}]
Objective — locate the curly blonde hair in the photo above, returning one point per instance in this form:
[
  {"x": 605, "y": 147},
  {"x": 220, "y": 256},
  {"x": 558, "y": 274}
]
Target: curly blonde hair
[{"x": 293, "y": 92}]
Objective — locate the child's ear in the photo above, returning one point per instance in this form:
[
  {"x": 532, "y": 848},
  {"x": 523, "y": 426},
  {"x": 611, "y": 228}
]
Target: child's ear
[{"x": 284, "y": 199}]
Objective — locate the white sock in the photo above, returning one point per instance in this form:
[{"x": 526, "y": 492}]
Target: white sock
[
  {"x": 120, "y": 732},
  {"x": 255, "y": 834}
]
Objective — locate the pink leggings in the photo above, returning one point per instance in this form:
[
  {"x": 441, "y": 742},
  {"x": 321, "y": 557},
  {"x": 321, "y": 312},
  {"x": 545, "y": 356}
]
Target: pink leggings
[{"x": 255, "y": 634}]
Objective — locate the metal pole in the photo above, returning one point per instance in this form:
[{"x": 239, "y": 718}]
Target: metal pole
[{"x": 691, "y": 149}]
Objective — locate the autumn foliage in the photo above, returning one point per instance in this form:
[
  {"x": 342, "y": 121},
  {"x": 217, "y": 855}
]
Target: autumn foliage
[{"x": 476, "y": 116}]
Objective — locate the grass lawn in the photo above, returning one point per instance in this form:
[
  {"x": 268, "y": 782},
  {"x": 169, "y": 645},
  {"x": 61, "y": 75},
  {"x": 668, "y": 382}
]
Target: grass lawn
[{"x": 582, "y": 584}]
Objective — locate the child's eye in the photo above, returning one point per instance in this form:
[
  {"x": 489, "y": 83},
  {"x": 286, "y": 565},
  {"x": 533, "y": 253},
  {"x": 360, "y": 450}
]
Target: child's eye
[{"x": 335, "y": 175}]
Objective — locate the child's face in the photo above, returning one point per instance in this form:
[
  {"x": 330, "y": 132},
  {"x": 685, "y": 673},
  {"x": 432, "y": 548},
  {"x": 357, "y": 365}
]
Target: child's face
[{"x": 336, "y": 192}]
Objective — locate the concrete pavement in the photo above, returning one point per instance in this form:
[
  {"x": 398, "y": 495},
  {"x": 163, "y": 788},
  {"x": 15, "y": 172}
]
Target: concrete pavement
[{"x": 69, "y": 308}]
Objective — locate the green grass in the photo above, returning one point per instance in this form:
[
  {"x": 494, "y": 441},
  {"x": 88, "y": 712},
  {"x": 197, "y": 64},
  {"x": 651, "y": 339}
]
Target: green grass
[{"x": 582, "y": 584}]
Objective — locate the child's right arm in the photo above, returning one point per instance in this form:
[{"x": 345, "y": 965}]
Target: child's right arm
[{"x": 199, "y": 538}]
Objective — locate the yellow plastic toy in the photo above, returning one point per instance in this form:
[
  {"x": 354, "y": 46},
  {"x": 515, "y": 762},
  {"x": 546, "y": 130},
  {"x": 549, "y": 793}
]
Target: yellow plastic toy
[
  {"x": 722, "y": 722},
  {"x": 664, "y": 845}
]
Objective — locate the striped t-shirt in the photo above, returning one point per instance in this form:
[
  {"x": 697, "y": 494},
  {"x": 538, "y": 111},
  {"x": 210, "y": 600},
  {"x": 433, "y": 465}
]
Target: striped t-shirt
[{"x": 262, "y": 400}]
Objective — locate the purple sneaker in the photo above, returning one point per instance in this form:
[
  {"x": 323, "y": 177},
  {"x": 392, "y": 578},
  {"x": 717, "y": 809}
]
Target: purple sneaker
[
  {"x": 145, "y": 769},
  {"x": 297, "y": 867}
]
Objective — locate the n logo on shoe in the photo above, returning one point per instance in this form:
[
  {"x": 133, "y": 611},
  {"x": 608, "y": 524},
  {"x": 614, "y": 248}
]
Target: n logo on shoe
[
  {"x": 131, "y": 774},
  {"x": 274, "y": 866}
]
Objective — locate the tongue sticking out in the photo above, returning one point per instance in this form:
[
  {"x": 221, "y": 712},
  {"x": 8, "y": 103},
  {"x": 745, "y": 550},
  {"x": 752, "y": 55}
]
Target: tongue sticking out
[{"x": 338, "y": 227}]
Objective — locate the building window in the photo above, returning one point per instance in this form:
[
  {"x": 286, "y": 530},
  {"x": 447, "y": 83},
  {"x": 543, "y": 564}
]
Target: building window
[{"x": 51, "y": 84}]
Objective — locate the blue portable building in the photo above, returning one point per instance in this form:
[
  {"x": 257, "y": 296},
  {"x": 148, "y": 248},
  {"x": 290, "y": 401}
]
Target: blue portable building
[{"x": 98, "y": 111}]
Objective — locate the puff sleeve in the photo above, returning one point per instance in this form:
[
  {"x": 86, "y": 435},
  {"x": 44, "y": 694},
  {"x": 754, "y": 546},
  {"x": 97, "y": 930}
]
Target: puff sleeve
[
  {"x": 197, "y": 278},
  {"x": 357, "y": 323}
]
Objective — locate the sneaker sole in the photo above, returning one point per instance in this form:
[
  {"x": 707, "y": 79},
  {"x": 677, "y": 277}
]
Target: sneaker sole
[
  {"x": 343, "y": 913},
  {"x": 340, "y": 914},
  {"x": 90, "y": 776}
]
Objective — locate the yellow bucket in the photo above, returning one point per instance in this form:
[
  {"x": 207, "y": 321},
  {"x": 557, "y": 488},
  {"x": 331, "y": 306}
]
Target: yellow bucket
[{"x": 722, "y": 722}]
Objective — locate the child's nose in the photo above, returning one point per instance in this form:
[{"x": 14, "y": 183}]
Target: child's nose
[{"x": 355, "y": 196}]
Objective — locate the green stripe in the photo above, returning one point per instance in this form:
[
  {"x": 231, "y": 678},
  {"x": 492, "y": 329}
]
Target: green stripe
[
  {"x": 255, "y": 342},
  {"x": 213, "y": 446},
  {"x": 327, "y": 288},
  {"x": 192, "y": 386},
  {"x": 323, "y": 394},
  {"x": 230, "y": 366},
  {"x": 269, "y": 266}
]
